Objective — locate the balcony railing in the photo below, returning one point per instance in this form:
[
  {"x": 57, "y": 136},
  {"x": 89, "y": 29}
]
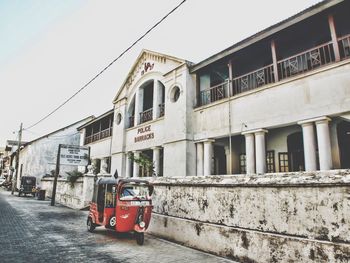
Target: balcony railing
[
  {"x": 300, "y": 63},
  {"x": 253, "y": 79},
  {"x": 131, "y": 121},
  {"x": 99, "y": 135},
  {"x": 146, "y": 115},
  {"x": 306, "y": 61},
  {"x": 344, "y": 46},
  {"x": 161, "y": 109},
  {"x": 106, "y": 133},
  {"x": 214, "y": 93}
]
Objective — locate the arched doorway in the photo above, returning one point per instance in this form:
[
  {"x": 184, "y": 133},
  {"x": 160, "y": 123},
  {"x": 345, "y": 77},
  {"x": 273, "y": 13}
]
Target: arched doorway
[
  {"x": 343, "y": 132},
  {"x": 296, "y": 152}
]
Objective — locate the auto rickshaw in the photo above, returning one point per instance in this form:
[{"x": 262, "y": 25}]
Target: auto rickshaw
[
  {"x": 123, "y": 205},
  {"x": 28, "y": 185}
]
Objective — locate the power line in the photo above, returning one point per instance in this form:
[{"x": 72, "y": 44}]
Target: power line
[{"x": 110, "y": 64}]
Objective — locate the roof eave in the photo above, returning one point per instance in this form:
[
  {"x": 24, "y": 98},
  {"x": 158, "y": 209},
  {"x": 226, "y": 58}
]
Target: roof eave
[{"x": 313, "y": 10}]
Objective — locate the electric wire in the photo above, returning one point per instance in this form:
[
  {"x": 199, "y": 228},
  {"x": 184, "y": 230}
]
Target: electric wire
[{"x": 110, "y": 64}]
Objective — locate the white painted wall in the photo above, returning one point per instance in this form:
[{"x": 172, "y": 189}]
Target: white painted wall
[{"x": 39, "y": 157}]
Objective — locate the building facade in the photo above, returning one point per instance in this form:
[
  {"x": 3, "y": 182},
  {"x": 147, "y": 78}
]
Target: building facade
[
  {"x": 97, "y": 134},
  {"x": 38, "y": 157},
  {"x": 278, "y": 101}
]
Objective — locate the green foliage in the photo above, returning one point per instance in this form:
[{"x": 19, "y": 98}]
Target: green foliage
[
  {"x": 144, "y": 162},
  {"x": 73, "y": 177}
]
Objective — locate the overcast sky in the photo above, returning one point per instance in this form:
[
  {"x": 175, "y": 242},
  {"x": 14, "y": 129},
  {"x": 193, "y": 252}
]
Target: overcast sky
[{"x": 50, "y": 48}]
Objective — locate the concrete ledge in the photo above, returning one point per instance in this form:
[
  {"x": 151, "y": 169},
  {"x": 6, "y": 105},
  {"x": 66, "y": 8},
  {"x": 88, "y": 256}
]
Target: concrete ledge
[
  {"x": 246, "y": 245},
  {"x": 300, "y": 179}
]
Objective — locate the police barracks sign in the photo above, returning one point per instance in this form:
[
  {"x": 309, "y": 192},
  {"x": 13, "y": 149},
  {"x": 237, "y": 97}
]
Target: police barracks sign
[
  {"x": 144, "y": 133},
  {"x": 74, "y": 155}
]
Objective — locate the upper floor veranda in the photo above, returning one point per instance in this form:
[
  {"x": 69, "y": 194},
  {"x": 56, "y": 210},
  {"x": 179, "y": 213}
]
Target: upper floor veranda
[{"x": 310, "y": 40}]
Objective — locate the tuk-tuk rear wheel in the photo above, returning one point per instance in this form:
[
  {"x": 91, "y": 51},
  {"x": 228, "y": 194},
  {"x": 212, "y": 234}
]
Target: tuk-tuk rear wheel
[
  {"x": 90, "y": 225},
  {"x": 140, "y": 238}
]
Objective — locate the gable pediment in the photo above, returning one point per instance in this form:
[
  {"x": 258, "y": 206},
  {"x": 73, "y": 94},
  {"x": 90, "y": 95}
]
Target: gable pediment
[{"x": 147, "y": 62}]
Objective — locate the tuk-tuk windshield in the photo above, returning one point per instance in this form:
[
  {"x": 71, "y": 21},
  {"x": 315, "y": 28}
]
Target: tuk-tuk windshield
[{"x": 134, "y": 191}]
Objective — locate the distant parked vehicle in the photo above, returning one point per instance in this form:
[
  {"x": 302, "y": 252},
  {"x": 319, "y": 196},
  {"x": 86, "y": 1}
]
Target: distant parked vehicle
[{"x": 28, "y": 185}]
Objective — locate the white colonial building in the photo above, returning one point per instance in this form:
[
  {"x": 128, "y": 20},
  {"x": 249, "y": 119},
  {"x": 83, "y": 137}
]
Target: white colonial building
[
  {"x": 38, "y": 157},
  {"x": 278, "y": 101}
]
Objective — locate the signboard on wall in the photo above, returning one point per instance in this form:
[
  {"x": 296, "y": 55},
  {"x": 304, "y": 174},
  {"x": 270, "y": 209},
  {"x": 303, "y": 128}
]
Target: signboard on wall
[{"x": 74, "y": 155}]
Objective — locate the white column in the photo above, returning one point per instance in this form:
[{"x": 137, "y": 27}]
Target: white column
[
  {"x": 138, "y": 105},
  {"x": 309, "y": 145},
  {"x": 156, "y": 158},
  {"x": 250, "y": 152},
  {"x": 136, "y": 166},
  {"x": 208, "y": 157},
  {"x": 156, "y": 98},
  {"x": 200, "y": 156},
  {"x": 128, "y": 166},
  {"x": 260, "y": 151},
  {"x": 228, "y": 163},
  {"x": 324, "y": 144},
  {"x": 103, "y": 166}
]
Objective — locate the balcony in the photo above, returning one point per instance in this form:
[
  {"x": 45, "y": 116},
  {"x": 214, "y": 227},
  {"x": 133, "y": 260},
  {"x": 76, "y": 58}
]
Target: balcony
[
  {"x": 306, "y": 61},
  {"x": 253, "y": 80},
  {"x": 98, "y": 136},
  {"x": 146, "y": 115},
  {"x": 161, "y": 109},
  {"x": 300, "y": 63},
  {"x": 344, "y": 46},
  {"x": 214, "y": 93},
  {"x": 131, "y": 121}
]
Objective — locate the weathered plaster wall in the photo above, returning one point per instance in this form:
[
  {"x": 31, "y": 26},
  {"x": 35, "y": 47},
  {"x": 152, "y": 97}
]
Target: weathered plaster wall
[
  {"x": 301, "y": 217},
  {"x": 76, "y": 197}
]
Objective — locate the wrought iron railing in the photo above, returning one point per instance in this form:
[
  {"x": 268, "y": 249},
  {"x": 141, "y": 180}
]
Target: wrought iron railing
[
  {"x": 146, "y": 115},
  {"x": 161, "y": 109},
  {"x": 306, "y": 61},
  {"x": 98, "y": 136},
  {"x": 214, "y": 93},
  {"x": 253, "y": 79},
  {"x": 344, "y": 46},
  {"x": 131, "y": 121}
]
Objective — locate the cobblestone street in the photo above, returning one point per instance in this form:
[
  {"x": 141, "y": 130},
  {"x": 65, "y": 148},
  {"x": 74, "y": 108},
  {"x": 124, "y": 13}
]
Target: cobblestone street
[{"x": 33, "y": 231}]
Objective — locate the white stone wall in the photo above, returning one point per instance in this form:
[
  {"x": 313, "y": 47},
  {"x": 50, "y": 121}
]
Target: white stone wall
[
  {"x": 76, "y": 197},
  {"x": 297, "y": 217}
]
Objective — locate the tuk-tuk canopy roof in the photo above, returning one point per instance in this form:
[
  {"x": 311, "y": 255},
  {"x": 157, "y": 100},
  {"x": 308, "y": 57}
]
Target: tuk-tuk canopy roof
[{"x": 111, "y": 180}]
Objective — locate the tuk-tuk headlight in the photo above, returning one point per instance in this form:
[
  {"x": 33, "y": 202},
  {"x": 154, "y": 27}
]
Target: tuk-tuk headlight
[{"x": 142, "y": 224}]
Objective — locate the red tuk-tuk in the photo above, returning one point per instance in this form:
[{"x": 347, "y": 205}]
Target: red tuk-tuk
[{"x": 123, "y": 205}]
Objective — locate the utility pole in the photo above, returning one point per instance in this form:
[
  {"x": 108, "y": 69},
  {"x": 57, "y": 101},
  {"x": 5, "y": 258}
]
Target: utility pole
[
  {"x": 15, "y": 178},
  {"x": 57, "y": 171}
]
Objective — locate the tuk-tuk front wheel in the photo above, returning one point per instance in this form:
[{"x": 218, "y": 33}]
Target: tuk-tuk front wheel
[
  {"x": 140, "y": 238},
  {"x": 90, "y": 225}
]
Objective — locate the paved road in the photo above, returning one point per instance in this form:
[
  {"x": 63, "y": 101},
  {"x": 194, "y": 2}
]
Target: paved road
[{"x": 34, "y": 231}]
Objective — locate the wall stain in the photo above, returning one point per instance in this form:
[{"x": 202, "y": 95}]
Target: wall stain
[
  {"x": 335, "y": 207},
  {"x": 245, "y": 241},
  {"x": 312, "y": 254},
  {"x": 323, "y": 233},
  {"x": 199, "y": 228}
]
